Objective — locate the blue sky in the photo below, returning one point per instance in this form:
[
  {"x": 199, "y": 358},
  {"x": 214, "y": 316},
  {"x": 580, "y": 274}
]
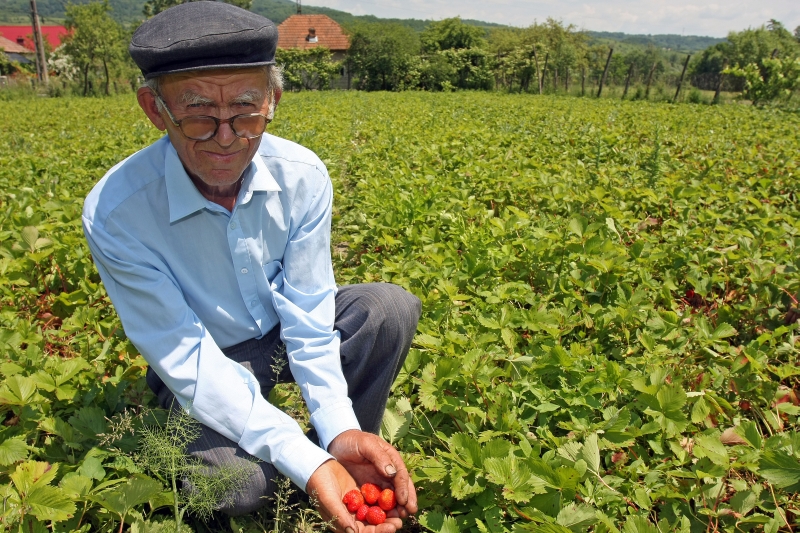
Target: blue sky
[{"x": 689, "y": 17}]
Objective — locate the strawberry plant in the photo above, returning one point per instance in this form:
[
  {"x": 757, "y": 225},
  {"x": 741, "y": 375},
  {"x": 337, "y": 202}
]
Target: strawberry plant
[{"x": 610, "y": 314}]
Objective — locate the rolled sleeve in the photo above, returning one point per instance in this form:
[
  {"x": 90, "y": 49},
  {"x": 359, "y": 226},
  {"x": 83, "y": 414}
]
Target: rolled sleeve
[{"x": 304, "y": 299}]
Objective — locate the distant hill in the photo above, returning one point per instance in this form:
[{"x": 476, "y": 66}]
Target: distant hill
[
  {"x": 126, "y": 11},
  {"x": 678, "y": 43},
  {"x": 52, "y": 11},
  {"x": 280, "y": 10}
]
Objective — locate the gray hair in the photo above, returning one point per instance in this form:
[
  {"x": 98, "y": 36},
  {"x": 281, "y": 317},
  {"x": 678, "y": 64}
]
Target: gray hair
[{"x": 273, "y": 73}]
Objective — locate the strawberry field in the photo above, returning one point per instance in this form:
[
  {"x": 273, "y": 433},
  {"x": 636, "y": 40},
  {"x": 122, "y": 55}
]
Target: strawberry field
[{"x": 609, "y": 339}]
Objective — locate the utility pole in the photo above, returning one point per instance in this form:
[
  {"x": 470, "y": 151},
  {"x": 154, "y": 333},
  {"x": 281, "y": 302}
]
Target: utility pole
[{"x": 41, "y": 62}]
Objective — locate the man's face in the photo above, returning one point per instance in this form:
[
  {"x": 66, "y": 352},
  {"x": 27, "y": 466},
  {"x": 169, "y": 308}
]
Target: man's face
[{"x": 217, "y": 163}]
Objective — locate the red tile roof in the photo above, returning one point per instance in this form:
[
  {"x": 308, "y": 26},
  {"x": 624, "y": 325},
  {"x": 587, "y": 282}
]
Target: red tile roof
[
  {"x": 52, "y": 34},
  {"x": 9, "y": 46},
  {"x": 292, "y": 33}
]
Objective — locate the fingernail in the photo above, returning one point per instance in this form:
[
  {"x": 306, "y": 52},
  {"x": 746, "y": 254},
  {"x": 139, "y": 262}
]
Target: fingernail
[
  {"x": 390, "y": 470},
  {"x": 349, "y": 530}
]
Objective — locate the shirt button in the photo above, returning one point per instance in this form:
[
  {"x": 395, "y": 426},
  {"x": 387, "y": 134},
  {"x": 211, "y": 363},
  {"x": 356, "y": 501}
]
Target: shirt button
[
  {"x": 254, "y": 303},
  {"x": 244, "y": 271},
  {"x": 233, "y": 225}
]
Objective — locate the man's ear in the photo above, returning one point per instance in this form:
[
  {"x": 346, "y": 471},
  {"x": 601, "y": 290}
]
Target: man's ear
[
  {"x": 147, "y": 101},
  {"x": 277, "y": 96}
]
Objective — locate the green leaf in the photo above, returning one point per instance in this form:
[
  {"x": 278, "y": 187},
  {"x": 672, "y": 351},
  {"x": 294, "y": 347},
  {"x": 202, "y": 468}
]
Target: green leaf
[
  {"x": 496, "y": 448},
  {"x": 519, "y": 485},
  {"x": 32, "y": 474},
  {"x": 17, "y": 390},
  {"x": 748, "y": 430},
  {"x": 578, "y": 518},
  {"x": 780, "y": 469},
  {"x": 577, "y": 226},
  {"x": 547, "y": 527},
  {"x": 710, "y": 446},
  {"x": 439, "y": 523},
  {"x": 29, "y": 235},
  {"x": 464, "y": 484},
  {"x": 700, "y": 410},
  {"x": 162, "y": 499},
  {"x": 122, "y": 498},
  {"x": 467, "y": 449},
  {"x": 639, "y": 524},
  {"x": 13, "y": 450},
  {"x": 75, "y": 485},
  {"x": 591, "y": 454},
  {"x": 50, "y": 503},
  {"x": 92, "y": 468},
  {"x": 723, "y": 331}
]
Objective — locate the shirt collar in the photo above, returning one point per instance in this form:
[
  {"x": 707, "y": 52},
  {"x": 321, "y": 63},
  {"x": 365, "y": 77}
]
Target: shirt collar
[{"x": 184, "y": 198}]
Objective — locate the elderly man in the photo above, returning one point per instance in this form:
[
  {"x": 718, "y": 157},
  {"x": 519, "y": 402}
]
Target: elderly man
[{"x": 214, "y": 246}]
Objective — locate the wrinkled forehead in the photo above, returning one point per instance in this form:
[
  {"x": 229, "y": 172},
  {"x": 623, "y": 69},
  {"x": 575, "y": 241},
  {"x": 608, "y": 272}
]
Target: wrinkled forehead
[{"x": 216, "y": 85}]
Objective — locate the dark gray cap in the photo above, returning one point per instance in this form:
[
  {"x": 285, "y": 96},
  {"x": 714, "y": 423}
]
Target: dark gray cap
[{"x": 201, "y": 36}]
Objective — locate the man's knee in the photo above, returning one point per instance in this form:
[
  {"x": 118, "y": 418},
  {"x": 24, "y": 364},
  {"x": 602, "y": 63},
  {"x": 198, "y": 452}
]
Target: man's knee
[
  {"x": 251, "y": 494},
  {"x": 382, "y": 307}
]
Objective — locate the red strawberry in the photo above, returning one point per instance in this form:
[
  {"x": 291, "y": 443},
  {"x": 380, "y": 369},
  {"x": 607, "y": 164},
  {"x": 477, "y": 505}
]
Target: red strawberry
[
  {"x": 375, "y": 516},
  {"x": 386, "y": 500},
  {"x": 370, "y": 492},
  {"x": 361, "y": 514},
  {"x": 353, "y": 500}
]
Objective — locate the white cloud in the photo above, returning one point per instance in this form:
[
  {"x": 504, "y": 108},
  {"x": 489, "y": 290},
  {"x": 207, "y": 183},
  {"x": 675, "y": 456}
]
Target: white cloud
[{"x": 689, "y": 17}]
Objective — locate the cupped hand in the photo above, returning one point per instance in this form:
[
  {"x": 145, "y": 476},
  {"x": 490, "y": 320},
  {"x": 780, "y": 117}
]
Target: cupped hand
[
  {"x": 369, "y": 458},
  {"x": 328, "y": 484}
]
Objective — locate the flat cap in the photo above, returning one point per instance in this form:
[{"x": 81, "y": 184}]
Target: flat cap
[{"x": 201, "y": 36}]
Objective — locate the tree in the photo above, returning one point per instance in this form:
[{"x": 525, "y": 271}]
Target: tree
[
  {"x": 451, "y": 34},
  {"x": 751, "y": 46},
  {"x": 94, "y": 41},
  {"x": 307, "y": 69},
  {"x": 154, "y": 7},
  {"x": 6, "y": 65},
  {"x": 383, "y": 56},
  {"x": 773, "y": 80}
]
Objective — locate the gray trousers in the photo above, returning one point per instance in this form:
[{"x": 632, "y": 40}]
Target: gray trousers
[{"x": 376, "y": 321}]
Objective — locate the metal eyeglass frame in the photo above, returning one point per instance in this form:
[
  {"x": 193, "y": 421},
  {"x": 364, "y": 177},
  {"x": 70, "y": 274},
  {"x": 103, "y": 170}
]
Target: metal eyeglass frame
[{"x": 216, "y": 120}]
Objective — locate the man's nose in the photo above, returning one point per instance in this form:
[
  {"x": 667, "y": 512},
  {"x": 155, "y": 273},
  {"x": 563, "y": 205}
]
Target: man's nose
[{"x": 225, "y": 136}]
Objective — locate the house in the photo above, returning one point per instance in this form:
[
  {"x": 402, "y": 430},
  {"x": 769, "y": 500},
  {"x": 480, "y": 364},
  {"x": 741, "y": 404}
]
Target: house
[
  {"x": 311, "y": 31},
  {"x": 16, "y": 52},
  {"x": 23, "y": 35}
]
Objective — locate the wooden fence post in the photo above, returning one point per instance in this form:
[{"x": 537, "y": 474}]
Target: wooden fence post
[
  {"x": 627, "y": 81},
  {"x": 544, "y": 70},
  {"x": 583, "y": 81},
  {"x": 680, "y": 81},
  {"x": 719, "y": 82},
  {"x": 650, "y": 80},
  {"x": 605, "y": 72},
  {"x": 566, "y": 80},
  {"x": 538, "y": 73}
]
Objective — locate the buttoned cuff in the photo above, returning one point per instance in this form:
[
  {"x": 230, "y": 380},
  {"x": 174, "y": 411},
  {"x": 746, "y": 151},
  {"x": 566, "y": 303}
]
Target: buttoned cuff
[
  {"x": 332, "y": 420},
  {"x": 299, "y": 459}
]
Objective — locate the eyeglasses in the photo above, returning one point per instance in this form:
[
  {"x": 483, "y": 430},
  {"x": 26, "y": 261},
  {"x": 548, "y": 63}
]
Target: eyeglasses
[{"x": 203, "y": 127}]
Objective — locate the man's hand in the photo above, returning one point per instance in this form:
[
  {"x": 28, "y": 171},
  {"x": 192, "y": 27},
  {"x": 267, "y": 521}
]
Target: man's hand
[
  {"x": 369, "y": 458},
  {"x": 328, "y": 484}
]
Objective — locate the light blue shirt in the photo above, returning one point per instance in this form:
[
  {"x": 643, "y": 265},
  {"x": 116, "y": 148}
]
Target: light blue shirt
[{"x": 187, "y": 277}]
